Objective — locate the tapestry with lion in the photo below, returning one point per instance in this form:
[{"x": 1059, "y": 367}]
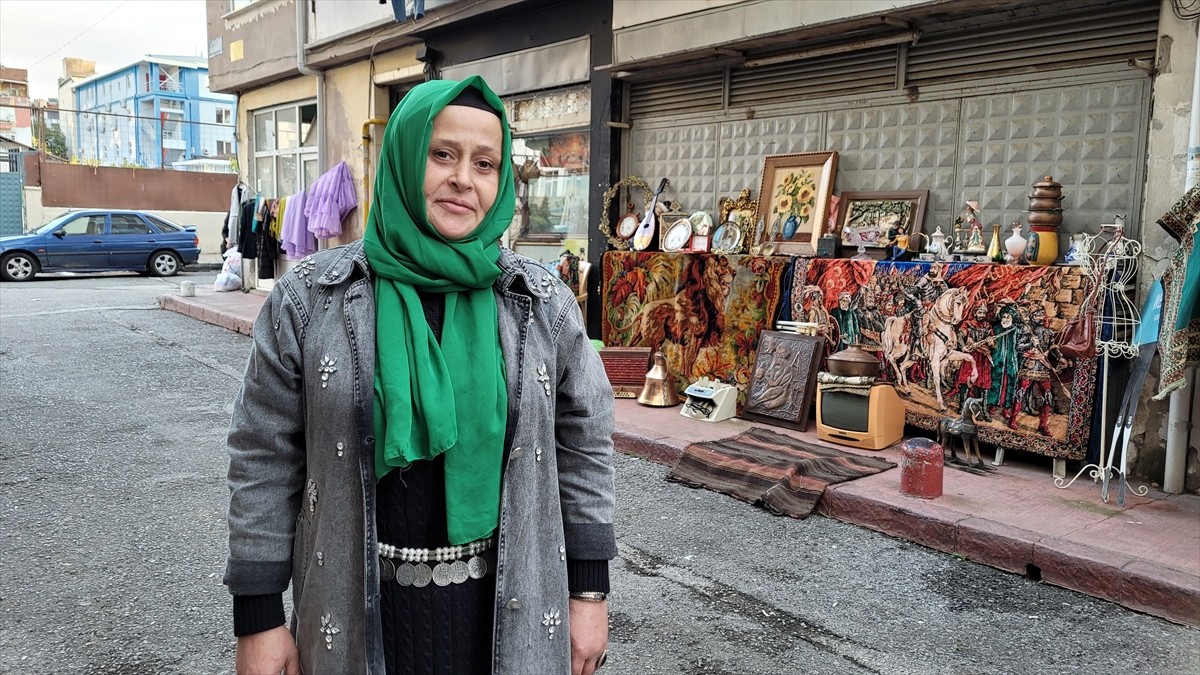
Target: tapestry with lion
[{"x": 704, "y": 312}]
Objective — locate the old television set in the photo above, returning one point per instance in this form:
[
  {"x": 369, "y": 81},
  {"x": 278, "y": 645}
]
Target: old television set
[{"x": 870, "y": 422}]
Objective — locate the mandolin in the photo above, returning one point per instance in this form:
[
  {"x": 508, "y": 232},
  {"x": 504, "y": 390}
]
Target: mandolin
[{"x": 644, "y": 235}]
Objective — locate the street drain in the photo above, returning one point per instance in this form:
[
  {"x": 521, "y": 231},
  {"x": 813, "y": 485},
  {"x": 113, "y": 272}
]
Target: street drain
[{"x": 1033, "y": 572}]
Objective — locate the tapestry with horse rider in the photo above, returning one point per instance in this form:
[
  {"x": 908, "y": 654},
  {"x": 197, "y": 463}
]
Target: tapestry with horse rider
[
  {"x": 947, "y": 332},
  {"x": 704, "y": 312}
]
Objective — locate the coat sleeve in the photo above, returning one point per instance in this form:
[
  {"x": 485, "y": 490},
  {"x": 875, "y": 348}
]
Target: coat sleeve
[
  {"x": 584, "y": 425},
  {"x": 266, "y": 452}
]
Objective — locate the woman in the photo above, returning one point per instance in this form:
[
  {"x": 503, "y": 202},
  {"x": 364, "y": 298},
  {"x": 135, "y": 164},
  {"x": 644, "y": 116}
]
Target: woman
[{"x": 422, "y": 443}]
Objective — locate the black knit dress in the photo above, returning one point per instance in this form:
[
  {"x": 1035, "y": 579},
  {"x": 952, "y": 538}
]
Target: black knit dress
[{"x": 443, "y": 630}]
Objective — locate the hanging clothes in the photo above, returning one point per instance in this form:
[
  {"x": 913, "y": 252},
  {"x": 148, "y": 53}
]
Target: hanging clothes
[
  {"x": 268, "y": 244},
  {"x": 1179, "y": 341},
  {"x": 329, "y": 199},
  {"x": 238, "y": 197},
  {"x": 297, "y": 241},
  {"x": 247, "y": 242}
]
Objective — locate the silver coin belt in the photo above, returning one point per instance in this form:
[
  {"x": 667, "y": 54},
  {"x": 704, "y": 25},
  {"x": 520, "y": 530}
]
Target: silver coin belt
[{"x": 451, "y": 568}]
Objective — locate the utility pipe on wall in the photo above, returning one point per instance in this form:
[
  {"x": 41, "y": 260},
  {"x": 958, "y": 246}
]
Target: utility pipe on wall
[
  {"x": 302, "y": 66},
  {"x": 1180, "y": 406},
  {"x": 366, "y": 159}
]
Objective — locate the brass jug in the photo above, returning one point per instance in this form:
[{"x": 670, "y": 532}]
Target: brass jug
[{"x": 658, "y": 390}]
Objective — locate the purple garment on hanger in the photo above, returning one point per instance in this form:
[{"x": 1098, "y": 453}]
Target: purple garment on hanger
[
  {"x": 296, "y": 240},
  {"x": 330, "y": 198}
]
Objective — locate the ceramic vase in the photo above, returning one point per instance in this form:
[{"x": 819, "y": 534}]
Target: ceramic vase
[
  {"x": 1072, "y": 256},
  {"x": 995, "y": 252},
  {"x": 1043, "y": 245},
  {"x": 1015, "y": 245}
]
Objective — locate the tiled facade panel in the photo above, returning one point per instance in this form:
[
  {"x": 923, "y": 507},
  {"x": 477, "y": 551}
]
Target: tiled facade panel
[
  {"x": 744, "y": 144},
  {"x": 1086, "y": 137},
  {"x": 990, "y": 148},
  {"x": 909, "y": 147},
  {"x": 686, "y": 155}
]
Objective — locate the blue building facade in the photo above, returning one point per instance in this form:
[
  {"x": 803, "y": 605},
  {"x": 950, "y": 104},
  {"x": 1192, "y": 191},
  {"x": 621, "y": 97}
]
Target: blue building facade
[{"x": 156, "y": 113}]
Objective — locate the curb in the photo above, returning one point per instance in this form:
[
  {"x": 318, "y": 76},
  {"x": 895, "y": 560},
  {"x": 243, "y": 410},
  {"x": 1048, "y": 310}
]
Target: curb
[
  {"x": 1137, "y": 584},
  {"x": 215, "y": 317}
]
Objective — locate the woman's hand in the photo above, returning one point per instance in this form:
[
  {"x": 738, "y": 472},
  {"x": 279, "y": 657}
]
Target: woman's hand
[
  {"x": 589, "y": 635},
  {"x": 274, "y": 651}
]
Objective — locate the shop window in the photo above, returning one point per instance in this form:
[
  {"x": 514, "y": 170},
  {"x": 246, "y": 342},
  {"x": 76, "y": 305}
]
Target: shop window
[{"x": 552, "y": 184}]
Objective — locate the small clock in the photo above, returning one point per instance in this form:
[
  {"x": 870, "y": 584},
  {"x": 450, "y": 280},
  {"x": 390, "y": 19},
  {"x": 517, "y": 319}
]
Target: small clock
[
  {"x": 677, "y": 235},
  {"x": 627, "y": 224}
]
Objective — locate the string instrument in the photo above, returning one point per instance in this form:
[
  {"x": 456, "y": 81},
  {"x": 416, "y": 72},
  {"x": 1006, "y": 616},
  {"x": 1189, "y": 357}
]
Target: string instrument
[{"x": 644, "y": 235}]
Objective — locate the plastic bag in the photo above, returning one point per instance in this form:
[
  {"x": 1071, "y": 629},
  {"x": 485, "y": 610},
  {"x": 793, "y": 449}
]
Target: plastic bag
[
  {"x": 233, "y": 263},
  {"x": 227, "y": 281}
]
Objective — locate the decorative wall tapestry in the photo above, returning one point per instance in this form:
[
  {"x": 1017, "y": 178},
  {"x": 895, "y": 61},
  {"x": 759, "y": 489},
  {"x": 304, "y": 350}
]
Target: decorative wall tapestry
[
  {"x": 947, "y": 331},
  {"x": 704, "y": 312}
]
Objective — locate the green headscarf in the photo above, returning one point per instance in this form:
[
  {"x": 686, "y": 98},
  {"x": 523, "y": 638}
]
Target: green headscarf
[{"x": 450, "y": 398}]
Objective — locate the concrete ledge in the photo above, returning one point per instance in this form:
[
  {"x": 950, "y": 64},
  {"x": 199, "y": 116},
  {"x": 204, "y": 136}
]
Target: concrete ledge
[
  {"x": 996, "y": 544},
  {"x": 1086, "y": 569},
  {"x": 1154, "y": 589},
  {"x": 932, "y": 527}
]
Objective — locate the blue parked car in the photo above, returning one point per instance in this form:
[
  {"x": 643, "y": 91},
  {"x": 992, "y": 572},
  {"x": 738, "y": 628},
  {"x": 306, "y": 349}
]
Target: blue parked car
[{"x": 100, "y": 241}]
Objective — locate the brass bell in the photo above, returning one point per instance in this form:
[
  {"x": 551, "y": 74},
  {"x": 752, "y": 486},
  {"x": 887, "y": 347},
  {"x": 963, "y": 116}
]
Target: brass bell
[{"x": 658, "y": 390}]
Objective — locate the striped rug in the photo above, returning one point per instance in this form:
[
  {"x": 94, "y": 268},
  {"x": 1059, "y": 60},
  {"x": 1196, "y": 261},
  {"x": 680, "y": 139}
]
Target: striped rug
[{"x": 784, "y": 474}]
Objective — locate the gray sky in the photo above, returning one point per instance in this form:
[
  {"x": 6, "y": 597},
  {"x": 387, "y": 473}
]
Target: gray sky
[{"x": 38, "y": 34}]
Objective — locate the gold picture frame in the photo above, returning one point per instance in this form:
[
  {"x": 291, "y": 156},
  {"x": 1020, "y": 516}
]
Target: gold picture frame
[
  {"x": 866, "y": 217},
  {"x": 735, "y": 217},
  {"x": 793, "y": 201}
]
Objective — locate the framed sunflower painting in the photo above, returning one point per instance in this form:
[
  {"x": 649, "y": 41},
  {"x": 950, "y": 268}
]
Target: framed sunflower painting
[{"x": 794, "y": 201}]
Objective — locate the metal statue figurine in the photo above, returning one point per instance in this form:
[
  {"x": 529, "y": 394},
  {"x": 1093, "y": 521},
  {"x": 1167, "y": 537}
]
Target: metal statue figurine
[{"x": 966, "y": 430}]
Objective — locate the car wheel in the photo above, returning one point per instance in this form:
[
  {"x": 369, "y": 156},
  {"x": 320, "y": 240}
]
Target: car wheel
[
  {"x": 18, "y": 266},
  {"x": 164, "y": 264}
]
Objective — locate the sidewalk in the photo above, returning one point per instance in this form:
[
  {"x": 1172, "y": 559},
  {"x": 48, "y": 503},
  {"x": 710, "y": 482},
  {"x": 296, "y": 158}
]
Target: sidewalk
[{"x": 1145, "y": 556}]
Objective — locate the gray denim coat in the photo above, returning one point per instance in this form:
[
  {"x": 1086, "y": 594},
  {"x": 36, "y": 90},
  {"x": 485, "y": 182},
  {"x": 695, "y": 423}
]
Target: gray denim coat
[{"x": 302, "y": 476}]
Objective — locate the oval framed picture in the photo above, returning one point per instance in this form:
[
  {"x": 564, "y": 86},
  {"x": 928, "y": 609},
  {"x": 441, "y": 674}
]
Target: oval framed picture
[
  {"x": 627, "y": 225},
  {"x": 727, "y": 238},
  {"x": 678, "y": 235}
]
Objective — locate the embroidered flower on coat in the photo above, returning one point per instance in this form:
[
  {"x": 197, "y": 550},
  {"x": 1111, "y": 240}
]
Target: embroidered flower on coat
[
  {"x": 329, "y": 630},
  {"x": 551, "y": 620}
]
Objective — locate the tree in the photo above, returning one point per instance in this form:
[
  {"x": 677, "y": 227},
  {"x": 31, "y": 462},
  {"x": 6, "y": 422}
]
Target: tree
[{"x": 56, "y": 140}]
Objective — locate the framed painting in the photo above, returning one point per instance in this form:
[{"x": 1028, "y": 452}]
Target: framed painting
[
  {"x": 869, "y": 218},
  {"x": 793, "y": 201},
  {"x": 736, "y": 223},
  {"x": 783, "y": 381}
]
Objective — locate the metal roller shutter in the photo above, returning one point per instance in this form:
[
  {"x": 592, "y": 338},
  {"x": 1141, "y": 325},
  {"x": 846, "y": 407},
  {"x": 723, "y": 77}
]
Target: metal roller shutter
[
  {"x": 1112, "y": 34},
  {"x": 835, "y": 75},
  {"x": 693, "y": 93}
]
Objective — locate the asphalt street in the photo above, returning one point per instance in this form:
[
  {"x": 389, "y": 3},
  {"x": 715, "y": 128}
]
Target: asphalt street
[{"x": 112, "y": 534}]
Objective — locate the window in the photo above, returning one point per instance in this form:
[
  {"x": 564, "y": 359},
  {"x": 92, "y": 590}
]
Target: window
[
  {"x": 127, "y": 223},
  {"x": 284, "y": 149},
  {"x": 164, "y": 226},
  {"x": 224, "y": 148},
  {"x": 224, "y": 116},
  {"x": 83, "y": 226},
  {"x": 552, "y": 184}
]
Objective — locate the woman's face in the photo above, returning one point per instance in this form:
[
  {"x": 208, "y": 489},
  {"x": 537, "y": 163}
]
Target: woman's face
[{"x": 462, "y": 170}]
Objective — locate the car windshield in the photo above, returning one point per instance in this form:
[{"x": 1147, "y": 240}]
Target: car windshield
[{"x": 49, "y": 227}]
